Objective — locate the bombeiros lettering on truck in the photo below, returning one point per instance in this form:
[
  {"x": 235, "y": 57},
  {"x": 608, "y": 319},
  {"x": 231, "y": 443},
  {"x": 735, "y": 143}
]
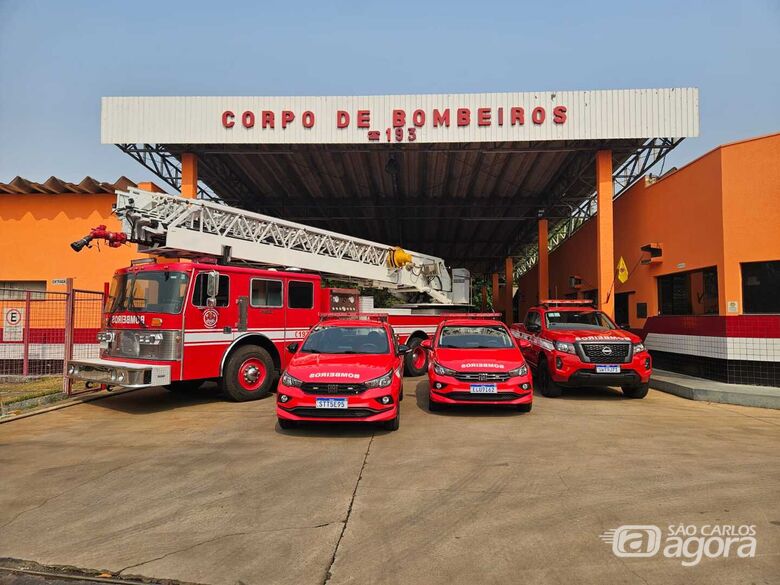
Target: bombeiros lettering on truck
[{"x": 229, "y": 311}]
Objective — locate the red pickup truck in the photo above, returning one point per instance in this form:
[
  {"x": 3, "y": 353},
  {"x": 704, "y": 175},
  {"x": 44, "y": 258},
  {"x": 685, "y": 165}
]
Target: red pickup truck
[{"x": 572, "y": 344}]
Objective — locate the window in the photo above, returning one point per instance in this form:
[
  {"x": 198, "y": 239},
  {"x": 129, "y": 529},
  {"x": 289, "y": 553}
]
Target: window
[
  {"x": 369, "y": 340},
  {"x": 155, "y": 291},
  {"x": 475, "y": 337},
  {"x": 300, "y": 295},
  {"x": 760, "y": 285},
  {"x": 578, "y": 320},
  {"x": 199, "y": 296},
  {"x": 532, "y": 318},
  {"x": 689, "y": 293},
  {"x": 266, "y": 293}
]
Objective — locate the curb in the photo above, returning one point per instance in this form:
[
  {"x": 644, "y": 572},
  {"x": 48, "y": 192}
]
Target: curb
[
  {"x": 752, "y": 397},
  {"x": 66, "y": 403}
]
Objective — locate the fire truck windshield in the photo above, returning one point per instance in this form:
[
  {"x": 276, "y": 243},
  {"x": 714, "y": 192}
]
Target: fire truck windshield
[
  {"x": 578, "y": 320},
  {"x": 474, "y": 337},
  {"x": 148, "y": 291},
  {"x": 370, "y": 340}
]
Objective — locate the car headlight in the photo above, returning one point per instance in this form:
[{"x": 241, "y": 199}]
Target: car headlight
[
  {"x": 521, "y": 371},
  {"x": 639, "y": 347},
  {"x": 382, "y": 381},
  {"x": 564, "y": 346},
  {"x": 289, "y": 380},
  {"x": 442, "y": 371}
]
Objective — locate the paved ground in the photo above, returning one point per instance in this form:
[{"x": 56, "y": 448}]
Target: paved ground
[{"x": 200, "y": 490}]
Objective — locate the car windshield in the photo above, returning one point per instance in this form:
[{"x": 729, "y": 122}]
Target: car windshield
[
  {"x": 475, "y": 337},
  {"x": 578, "y": 320},
  {"x": 148, "y": 291},
  {"x": 370, "y": 340}
]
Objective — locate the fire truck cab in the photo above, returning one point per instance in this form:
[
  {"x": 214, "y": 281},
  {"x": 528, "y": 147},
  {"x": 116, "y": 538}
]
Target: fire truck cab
[{"x": 572, "y": 344}]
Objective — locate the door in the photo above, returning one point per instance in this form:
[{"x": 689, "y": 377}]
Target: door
[
  {"x": 621, "y": 310},
  {"x": 208, "y": 330},
  {"x": 266, "y": 308},
  {"x": 533, "y": 327}
]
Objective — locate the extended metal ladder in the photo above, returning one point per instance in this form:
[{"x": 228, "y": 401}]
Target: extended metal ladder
[{"x": 167, "y": 225}]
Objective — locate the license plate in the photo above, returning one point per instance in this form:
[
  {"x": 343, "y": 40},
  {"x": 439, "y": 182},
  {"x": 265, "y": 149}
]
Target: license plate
[
  {"x": 607, "y": 369},
  {"x": 331, "y": 403},
  {"x": 483, "y": 389}
]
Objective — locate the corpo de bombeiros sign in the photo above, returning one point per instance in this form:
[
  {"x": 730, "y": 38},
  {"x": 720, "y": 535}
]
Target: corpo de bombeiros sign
[{"x": 404, "y": 125}]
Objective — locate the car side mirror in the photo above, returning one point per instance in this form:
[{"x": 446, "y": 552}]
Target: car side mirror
[
  {"x": 403, "y": 349},
  {"x": 212, "y": 287},
  {"x": 292, "y": 347},
  {"x": 426, "y": 344}
]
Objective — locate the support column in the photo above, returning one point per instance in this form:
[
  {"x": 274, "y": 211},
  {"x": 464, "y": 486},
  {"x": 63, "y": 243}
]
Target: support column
[
  {"x": 495, "y": 293},
  {"x": 542, "y": 266},
  {"x": 604, "y": 232},
  {"x": 189, "y": 175},
  {"x": 508, "y": 309}
]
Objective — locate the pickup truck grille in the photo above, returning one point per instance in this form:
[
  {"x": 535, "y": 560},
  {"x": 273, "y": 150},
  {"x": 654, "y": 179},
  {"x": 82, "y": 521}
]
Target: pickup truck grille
[
  {"x": 606, "y": 353},
  {"x": 332, "y": 388},
  {"x": 482, "y": 376}
]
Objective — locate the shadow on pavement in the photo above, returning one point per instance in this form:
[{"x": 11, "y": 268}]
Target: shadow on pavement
[{"x": 484, "y": 410}]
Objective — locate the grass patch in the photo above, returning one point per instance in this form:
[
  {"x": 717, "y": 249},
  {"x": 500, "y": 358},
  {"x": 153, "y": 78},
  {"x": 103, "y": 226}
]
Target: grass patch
[{"x": 24, "y": 390}]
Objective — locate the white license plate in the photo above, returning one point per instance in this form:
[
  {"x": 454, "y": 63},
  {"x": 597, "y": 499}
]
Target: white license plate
[
  {"x": 607, "y": 369},
  {"x": 331, "y": 403},
  {"x": 483, "y": 389}
]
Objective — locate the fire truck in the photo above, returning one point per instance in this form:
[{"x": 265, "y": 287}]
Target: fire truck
[{"x": 225, "y": 291}]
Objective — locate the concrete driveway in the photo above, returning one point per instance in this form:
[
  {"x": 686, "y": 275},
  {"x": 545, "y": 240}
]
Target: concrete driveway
[{"x": 192, "y": 488}]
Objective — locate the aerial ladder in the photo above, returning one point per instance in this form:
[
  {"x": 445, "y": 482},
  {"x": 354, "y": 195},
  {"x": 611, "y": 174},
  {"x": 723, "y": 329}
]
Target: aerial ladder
[{"x": 172, "y": 226}]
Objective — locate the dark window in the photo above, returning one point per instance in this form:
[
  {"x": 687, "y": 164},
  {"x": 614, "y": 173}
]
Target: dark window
[
  {"x": 300, "y": 295},
  {"x": 641, "y": 310},
  {"x": 760, "y": 287},
  {"x": 689, "y": 293},
  {"x": 532, "y": 318},
  {"x": 199, "y": 293},
  {"x": 266, "y": 293},
  {"x": 370, "y": 340}
]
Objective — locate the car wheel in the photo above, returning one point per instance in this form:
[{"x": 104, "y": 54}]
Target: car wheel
[
  {"x": 286, "y": 424},
  {"x": 184, "y": 386},
  {"x": 248, "y": 374},
  {"x": 525, "y": 407},
  {"x": 546, "y": 384},
  {"x": 416, "y": 361},
  {"x": 393, "y": 424},
  {"x": 434, "y": 406},
  {"x": 638, "y": 391}
]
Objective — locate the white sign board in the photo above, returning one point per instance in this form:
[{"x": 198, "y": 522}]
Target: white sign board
[{"x": 13, "y": 324}]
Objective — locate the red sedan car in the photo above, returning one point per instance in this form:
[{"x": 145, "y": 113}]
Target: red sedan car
[
  {"x": 344, "y": 370},
  {"x": 477, "y": 361}
]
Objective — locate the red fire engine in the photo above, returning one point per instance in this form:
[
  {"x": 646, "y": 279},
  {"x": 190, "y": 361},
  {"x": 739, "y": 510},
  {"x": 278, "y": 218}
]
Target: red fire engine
[{"x": 223, "y": 312}]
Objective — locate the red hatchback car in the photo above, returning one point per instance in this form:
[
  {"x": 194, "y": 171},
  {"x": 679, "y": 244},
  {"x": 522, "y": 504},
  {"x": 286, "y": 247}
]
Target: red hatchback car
[
  {"x": 344, "y": 370},
  {"x": 477, "y": 361}
]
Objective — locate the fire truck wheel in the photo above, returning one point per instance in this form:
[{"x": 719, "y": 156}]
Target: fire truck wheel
[
  {"x": 416, "y": 361},
  {"x": 184, "y": 386},
  {"x": 248, "y": 375},
  {"x": 286, "y": 424},
  {"x": 546, "y": 384},
  {"x": 639, "y": 391}
]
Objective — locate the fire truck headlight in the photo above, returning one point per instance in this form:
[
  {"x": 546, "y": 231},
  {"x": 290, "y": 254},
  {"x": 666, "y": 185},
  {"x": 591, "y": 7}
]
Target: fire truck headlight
[
  {"x": 442, "y": 371},
  {"x": 521, "y": 371},
  {"x": 289, "y": 380},
  {"x": 150, "y": 338},
  {"x": 382, "y": 381},
  {"x": 564, "y": 346}
]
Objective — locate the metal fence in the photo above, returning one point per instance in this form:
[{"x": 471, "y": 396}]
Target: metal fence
[{"x": 41, "y": 331}]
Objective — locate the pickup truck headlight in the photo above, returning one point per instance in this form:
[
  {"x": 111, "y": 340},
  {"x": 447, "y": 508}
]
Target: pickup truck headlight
[
  {"x": 442, "y": 371},
  {"x": 639, "y": 347},
  {"x": 521, "y": 371},
  {"x": 564, "y": 346},
  {"x": 382, "y": 381},
  {"x": 291, "y": 381}
]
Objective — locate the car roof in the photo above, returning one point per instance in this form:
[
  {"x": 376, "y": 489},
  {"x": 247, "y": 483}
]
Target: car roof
[
  {"x": 474, "y": 322},
  {"x": 351, "y": 323},
  {"x": 570, "y": 309}
]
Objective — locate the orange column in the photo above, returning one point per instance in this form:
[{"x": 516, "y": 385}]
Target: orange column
[
  {"x": 189, "y": 175},
  {"x": 543, "y": 271},
  {"x": 495, "y": 293},
  {"x": 508, "y": 309},
  {"x": 604, "y": 232}
]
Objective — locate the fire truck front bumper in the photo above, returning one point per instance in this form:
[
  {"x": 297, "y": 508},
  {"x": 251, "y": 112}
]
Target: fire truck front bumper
[{"x": 124, "y": 374}]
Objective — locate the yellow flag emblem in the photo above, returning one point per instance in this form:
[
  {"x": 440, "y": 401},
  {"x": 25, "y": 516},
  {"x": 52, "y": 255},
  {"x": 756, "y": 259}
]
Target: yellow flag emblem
[{"x": 622, "y": 270}]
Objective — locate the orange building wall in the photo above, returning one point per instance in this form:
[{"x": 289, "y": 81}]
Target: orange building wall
[
  {"x": 719, "y": 210},
  {"x": 35, "y": 235}
]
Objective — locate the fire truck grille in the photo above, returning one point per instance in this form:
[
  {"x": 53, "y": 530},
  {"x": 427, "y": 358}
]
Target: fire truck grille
[
  {"x": 467, "y": 396},
  {"x": 333, "y": 412},
  {"x": 333, "y": 388},
  {"x": 482, "y": 376},
  {"x": 126, "y": 344},
  {"x": 606, "y": 353}
]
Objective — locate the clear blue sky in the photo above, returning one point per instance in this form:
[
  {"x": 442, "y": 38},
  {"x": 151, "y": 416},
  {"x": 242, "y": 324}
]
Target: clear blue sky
[{"x": 57, "y": 58}]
